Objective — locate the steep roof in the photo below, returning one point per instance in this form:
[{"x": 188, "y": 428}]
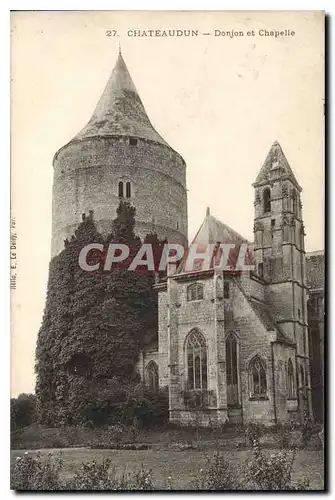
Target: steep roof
[
  {"x": 275, "y": 160},
  {"x": 315, "y": 270},
  {"x": 212, "y": 231},
  {"x": 266, "y": 315},
  {"x": 120, "y": 111}
]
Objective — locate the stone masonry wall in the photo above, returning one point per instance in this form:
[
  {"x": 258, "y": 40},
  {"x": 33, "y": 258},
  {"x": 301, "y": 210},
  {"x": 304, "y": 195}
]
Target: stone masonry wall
[
  {"x": 86, "y": 177},
  {"x": 286, "y": 409},
  {"x": 253, "y": 338}
]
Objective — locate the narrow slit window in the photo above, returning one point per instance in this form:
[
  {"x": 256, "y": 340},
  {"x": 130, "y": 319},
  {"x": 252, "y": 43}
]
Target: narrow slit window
[
  {"x": 120, "y": 189},
  {"x": 266, "y": 200},
  {"x": 261, "y": 270},
  {"x": 294, "y": 203},
  {"x": 226, "y": 290},
  {"x": 128, "y": 190},
  {"x": 290, "y": 380}
]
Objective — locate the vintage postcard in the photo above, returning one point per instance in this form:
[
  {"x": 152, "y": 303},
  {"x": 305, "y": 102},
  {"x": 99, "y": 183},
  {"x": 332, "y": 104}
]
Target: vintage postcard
[{"x": 167, "y": 250}]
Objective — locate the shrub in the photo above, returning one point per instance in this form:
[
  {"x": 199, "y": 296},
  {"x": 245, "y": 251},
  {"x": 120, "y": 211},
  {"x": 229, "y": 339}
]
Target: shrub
[
  {"x": 115, "y": 433},
  {"x": 22, "y": 411},
  {"x": 219, "y": 474},
  {"x": 283, "y": 432},
  {"x": 307, "y": 431},
  {"x": 93, "y": 475},
  {"x": 36, "y": 473},
  {"x": 149, "y": 408},
  {"x": 253, "y": 432},
  {"x": 272, "y": 472},
  {"x": 310, "y": 434},
  {"x": 134, "y": 430},
  {"x": 43, "y": 473},
  {"x": 98, "y": 404},
  {"x": 143, "y": 480}
]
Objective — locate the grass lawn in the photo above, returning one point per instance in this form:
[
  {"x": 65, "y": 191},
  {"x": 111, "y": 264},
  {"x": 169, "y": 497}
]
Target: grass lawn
[{"x": 181, "y": 466}]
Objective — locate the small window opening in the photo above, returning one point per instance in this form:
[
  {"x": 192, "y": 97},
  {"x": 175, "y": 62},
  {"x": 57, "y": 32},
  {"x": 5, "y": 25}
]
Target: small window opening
[
  {"x": 132, "y": 141},
  {"x": 261, "y": 269},
  {"x": 273, "y": 223},
  {"x": 195, "y": 292},
  {"x": 299, "y": 313},
  {"x": 290, "y": 379},
  {"x": 120, "y": 189},
  {"x": 226, "y": 290},
  {"x": 294, "y": 203},
  {"x": 128, "y": 190},
  {"x": 266, "y": 200}
]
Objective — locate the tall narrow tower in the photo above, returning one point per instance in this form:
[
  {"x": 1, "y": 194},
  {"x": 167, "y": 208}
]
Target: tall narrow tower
[
  {"x": 280, "y": 256},
  {"x": 119, "y": 155}
]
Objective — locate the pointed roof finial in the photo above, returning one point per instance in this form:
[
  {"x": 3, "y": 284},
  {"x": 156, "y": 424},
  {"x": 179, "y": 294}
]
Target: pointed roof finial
[
  {"x": 275, "y": 161},
  {"x": 207, "y": 212},
  {"x": 120, "y": 111},
  {"x": 120, "y": 51}
]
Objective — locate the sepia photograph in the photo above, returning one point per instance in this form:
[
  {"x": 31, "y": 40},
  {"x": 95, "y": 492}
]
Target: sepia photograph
[{"x": 167, "y": 250}]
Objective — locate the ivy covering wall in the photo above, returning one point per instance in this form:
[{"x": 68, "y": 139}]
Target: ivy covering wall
[{"x": 94, "y": 325}]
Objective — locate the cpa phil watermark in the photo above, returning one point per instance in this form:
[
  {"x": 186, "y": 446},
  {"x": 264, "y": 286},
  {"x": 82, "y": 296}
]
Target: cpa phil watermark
[{"x": 228, "y": 257}]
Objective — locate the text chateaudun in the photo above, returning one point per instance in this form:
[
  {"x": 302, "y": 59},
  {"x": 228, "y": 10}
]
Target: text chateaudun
[{"x": 217, "y": 32}]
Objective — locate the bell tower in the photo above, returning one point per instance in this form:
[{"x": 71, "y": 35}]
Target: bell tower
[{"x": 280, "y": 256}]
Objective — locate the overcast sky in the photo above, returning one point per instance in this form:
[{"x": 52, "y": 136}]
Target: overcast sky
[{"x": 219, "y": 101}]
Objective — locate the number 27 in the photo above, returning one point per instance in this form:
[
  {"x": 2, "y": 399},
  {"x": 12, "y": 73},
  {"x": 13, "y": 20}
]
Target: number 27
[{"x": 111, "y": 33}]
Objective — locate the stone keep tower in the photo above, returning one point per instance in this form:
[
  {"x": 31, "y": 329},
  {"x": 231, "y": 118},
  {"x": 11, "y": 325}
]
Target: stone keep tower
[
  {"x": 280, "y": 257},
  {"x": 119, "y": 155}
]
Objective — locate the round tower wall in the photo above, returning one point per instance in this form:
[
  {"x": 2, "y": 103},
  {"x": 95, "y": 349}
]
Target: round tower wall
[{"x": 87, "y": 175}]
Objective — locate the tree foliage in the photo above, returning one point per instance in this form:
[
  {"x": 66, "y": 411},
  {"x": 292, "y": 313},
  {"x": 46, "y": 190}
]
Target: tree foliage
[
  {"x": 22, "y": 410},
  {"x": 94, "y": 323}
]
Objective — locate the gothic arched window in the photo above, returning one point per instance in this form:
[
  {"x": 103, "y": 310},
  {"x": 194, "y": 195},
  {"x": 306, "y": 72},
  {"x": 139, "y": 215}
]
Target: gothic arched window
[
  {"x": 128, "y": 190},
  {"x": 195, "y": 292},
  {"x": 266, "y": 200},
  {"x": 196, "y": 355},
  {"x": 151, "y": 376},
  {"x": 257, "y": 378},
  {"x": 120, "y": 189},
  {"x": 290, "y": 379}
]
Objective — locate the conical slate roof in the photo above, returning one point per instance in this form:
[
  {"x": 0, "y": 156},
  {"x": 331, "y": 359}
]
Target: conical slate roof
[
  {"x": 120, "y": 111},
  {"x": 275, "y": 159}
]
